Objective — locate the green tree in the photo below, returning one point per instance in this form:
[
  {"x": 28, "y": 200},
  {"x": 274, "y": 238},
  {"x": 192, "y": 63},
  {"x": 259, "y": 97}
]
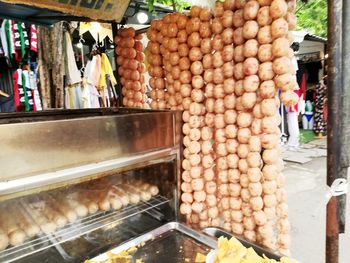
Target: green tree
[
  {"x": 312, "y": 16},
  {"x": 180, "y": 5}
]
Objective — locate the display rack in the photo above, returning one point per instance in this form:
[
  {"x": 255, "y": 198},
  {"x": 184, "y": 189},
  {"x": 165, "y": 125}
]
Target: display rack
[{"x": 84, "y": 226}]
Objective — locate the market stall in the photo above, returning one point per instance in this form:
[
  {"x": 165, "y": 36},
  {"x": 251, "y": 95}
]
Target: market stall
[
  {"x": 134, "y": 184},
  {"x": 223, "y": 69},
  {"x": 309, "y": 113}
]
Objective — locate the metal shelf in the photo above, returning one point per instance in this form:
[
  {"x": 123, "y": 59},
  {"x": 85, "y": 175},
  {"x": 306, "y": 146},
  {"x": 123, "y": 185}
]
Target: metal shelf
[{"x": 81, "y": 227}]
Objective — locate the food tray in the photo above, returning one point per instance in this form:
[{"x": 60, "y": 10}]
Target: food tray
[
  {"x": 217, "y": 232},
  {"x": 171, "y": 243},
  {"x": 177, "y": 243}
]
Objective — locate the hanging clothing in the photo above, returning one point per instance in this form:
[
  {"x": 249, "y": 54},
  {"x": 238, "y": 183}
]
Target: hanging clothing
[
  {"x": 73, "y": 75},
  {"x": 17, "y": 41},
  {"x": 111, "y": 91},
  {"x": 320, "y": 122},
  {"x": 4, "y": 39},
  {"x": 22, "y": 91},
  {"x": 106, "y": 69},
  {"x": 90, "y": 93},
  {"x": 2, "y": 52},
  {"x": 313, "y": 69},
  {"x": 72, "y": 72},
  {"x": 301, "y": 71},
  {"x": 23, "y": 96},
  {"x": 106, "y": 72},
  {"x": 29, "y": 106},
  {"x": 301, "y": 94},
  {"x": 6, "y": 76},
  {"x": 16, "y": 90},
  {"x": 74, "y": 96},
  {"x": 293, "y": 129},
  {"x": 94, "y": 97},
  {"x": 7, "y": 104},
  {"x": 25, "y": 91},
  {"x": 89, "y": 97},
  {"x": 85, "y": 96},
  {"x": 77, "y": 95},
  {"x": 58, "y": 69},
  {"x": 9, "y": 38},
  {"x": 35, "y": 92},
  {"x": 21, "y": 41},
  {"x": 33, "y": 39},
  {"x": 96, "y": 74},
  {"x": 311, "y": 95},
  {"x": 293, "y": 112}
]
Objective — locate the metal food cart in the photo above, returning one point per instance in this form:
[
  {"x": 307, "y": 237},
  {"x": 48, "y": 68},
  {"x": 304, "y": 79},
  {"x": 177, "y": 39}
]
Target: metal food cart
[
  {"x": 71, "y": 163},
  {"x": 55, "y": 174}
]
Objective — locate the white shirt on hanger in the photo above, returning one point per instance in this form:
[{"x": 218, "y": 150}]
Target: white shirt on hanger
[
  {"x": 73, "y": 73},
  {"x": 90, "y": 94},
  {"x": 4, "y": 39}
]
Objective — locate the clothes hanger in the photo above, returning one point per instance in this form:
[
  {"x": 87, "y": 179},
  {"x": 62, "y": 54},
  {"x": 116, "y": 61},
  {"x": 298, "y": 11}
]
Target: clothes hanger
[{"x": 82, "y": 41}]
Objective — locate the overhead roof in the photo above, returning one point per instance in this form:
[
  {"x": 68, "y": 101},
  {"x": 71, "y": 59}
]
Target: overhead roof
[
  {"x": 48, "y": 17},
  {"x": 31, "y": 14},
  {"x": 300, "y": 36},
  {"x": 315, "y": 38},
  {"x": 48, "y": 12}
]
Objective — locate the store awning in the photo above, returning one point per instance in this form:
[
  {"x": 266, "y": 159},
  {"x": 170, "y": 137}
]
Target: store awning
[
  {"x": 315, "y": 38},
  {"x": 48, "y": 12},
  {"x": 300, "y": 36}
]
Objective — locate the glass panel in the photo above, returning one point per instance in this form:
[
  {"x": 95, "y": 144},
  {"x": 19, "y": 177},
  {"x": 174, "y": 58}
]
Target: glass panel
[{"x": 86, "y": 219}]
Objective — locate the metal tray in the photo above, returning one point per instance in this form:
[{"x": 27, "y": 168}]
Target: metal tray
[
  {"x": 171, "y": 243},
  {"x": 177, "y": 243}
]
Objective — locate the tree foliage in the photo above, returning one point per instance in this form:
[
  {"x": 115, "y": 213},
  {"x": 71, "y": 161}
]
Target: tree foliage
[
  {"x": 312, "y": 16},
  {"x": 179, "y": 4}
]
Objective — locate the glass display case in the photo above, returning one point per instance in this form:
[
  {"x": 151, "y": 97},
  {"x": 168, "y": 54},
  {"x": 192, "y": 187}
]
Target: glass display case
[{"x": 80, "y": 185}]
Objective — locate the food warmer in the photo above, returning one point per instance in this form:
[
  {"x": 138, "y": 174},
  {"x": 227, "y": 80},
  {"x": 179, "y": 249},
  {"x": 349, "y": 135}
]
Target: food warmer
[{"x": 76, "y": 184}]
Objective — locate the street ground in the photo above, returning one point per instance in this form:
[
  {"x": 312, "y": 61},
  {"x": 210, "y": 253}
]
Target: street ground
[{"x": 305, "y": 172}]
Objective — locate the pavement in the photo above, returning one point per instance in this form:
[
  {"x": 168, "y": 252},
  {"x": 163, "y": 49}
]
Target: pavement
[{"x": 306, "y": 173}]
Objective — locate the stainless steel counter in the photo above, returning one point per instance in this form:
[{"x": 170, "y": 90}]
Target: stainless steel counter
[
  {"x": 36, "y": 153},
  {"x": 39, "y": 147},
  {"x": 172, "y": 243}
]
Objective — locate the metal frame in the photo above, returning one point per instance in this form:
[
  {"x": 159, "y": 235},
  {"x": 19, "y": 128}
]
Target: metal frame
[
  {"x": 82, "y": 173},
  {"x": 133, "y": 153}
]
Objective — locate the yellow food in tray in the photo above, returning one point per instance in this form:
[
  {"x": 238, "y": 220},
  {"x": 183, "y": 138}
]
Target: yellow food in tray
[
  {"x": 232, "y": 251},
  {"x": 200, "y": 258},
  {"x": 122, "y": 257}
]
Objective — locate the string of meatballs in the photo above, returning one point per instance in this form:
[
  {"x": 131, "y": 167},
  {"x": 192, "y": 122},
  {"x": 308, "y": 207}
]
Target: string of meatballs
[
  {"x": 228, "y": 69},
  {"x": 130, "y": 59}
]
